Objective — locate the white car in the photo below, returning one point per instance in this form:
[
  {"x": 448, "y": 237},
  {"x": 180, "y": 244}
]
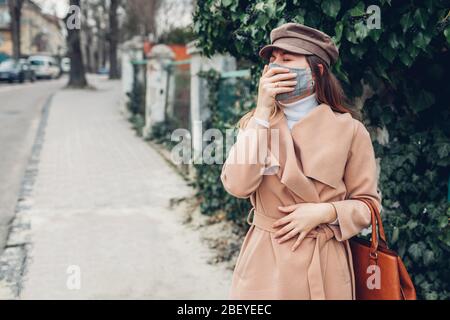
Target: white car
[
  {"x": 44, "y": 67},
  {"x": 65, "y": 65}
]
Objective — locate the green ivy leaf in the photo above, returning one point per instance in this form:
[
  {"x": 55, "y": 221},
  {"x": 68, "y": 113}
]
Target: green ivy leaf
[
  {"x": 443, "y": 150},
  {"x": 350, "y": 35},
  {"x": 393, "y": 42},
  {"x": 406, "y": 21},
  {"x": 420, "y": 18},
  {"x": 447, "y": 34},
  {"x": 389, "y": 53},
  {"x": 260, "y": 6},
  {"x": 227, "y": 3},
  {"x": 331, "y": 7},
  {"x": 421, "y": 40},
  {"x": 375, "y": 34},
  {"x": 271, "y": 8},
  {"x": 414, "y": 251},
  {"x": 442, "y": 222},
  {"x": 358, "y": 51},
  {"x": 420, "y": 101},
  {"x": 361, "y": 30},
  {"x": 405, "y": 58},
  {"x": 428, "y": 257},
  {"x": 358, "y": 10},
  {"x": 338, "y": 31},
  {"x": 395, "y": 235},
  {"x": 411, "y": 224}
]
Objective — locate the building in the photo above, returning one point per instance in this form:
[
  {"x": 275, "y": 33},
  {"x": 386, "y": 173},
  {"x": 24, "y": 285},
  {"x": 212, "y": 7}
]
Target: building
[{"x": 40, "y": 32}]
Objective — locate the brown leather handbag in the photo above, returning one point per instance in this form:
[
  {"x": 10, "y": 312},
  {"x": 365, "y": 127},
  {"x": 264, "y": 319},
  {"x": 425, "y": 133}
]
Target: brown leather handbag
[{"x": 379, "y": 272}]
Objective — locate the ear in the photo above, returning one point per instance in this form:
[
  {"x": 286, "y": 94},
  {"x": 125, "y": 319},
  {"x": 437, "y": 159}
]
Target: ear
[{"x": 320, "y": 68}]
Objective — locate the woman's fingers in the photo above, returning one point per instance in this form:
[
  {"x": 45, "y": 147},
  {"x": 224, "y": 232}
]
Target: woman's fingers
[
  {"x": 275, "y": 70},
  {"x": 280, "y": 77},
  {"x": 284, "y": 230},
  {"x": 282, "y": 221},
  {"x": 280, "y": 84},
  {"x": 273, "y": 91},
  {"x": 276, "y": 91},
  {"x": 300, "y": 238},
  {"x": 290, "y": 235},
  {"x": 265, "y": 70},
  {"x": 289, "y": 208}
]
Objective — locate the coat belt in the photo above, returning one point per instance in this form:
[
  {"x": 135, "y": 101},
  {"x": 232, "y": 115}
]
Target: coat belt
[{"x": 322, "y": 234}]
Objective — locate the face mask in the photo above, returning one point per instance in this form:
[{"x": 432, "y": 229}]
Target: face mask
[{"x": 305, "y": 83}]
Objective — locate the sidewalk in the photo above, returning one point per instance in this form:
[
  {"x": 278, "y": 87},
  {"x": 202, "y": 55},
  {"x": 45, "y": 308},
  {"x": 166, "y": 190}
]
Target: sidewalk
[{"x": 99, "y": 209}]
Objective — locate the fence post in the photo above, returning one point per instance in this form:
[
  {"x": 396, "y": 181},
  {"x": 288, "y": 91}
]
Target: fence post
[
  {"x": 159, "y": 60},
  {"x": 131, "y": 50},
  {"x": 199, "y": 91}
]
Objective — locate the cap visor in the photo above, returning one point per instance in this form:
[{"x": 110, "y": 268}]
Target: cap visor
[{"x": 266, "y": 51}]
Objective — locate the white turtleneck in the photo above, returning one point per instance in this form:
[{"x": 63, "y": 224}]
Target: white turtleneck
[{"x": 294, "y": 112}]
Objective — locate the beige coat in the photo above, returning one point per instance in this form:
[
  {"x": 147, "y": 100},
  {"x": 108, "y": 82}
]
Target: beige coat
[{"x": 327, "y": 157}]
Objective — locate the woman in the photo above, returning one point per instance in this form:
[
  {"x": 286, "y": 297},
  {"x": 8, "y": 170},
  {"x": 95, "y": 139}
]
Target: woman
[{"x": 318, "y": 160}]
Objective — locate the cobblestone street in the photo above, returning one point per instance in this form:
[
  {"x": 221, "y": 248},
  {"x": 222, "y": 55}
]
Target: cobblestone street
[{"x": 94, "y": 218}]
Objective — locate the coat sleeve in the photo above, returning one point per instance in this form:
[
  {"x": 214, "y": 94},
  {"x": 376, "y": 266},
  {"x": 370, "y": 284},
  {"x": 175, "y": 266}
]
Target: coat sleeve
[
  {"x": 360, "y": 179},
  {"x": 247, "y": 160}
]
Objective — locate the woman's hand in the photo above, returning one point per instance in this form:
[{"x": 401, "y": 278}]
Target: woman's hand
[
  {"x": 303, "y": 218},
  {"x": 272, "y": 82}
]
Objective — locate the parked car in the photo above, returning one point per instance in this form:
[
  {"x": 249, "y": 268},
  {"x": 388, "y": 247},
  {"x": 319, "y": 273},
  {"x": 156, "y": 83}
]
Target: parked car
[
  {"x": 45, "y": 67},
  {"x": 65, "y": 65},
  {"x": 16, "y": 70}
]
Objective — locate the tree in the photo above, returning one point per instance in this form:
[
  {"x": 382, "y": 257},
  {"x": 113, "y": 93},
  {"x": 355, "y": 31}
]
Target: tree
[
  {"x": 141, "y": 17},
  {"x": 113, "y": 39},
  {"x": 77, "y": 77},
  {"x": 99, "y": 27},
  {"x": 15, "y": 11}
]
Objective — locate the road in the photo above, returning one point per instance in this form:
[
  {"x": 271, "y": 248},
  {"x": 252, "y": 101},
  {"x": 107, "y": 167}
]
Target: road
[{"x": 20, "y": 111}]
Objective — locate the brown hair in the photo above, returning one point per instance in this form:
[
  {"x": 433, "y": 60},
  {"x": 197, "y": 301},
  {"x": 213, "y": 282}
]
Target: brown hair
[{"x": 328, "y": 91}]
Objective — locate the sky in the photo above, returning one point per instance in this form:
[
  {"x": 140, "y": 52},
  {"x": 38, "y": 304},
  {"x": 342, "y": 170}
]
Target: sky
[{"x": 58, "y": 7}]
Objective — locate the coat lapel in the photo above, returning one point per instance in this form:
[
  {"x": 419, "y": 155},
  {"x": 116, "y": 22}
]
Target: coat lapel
[{"x": 315, "y": 149}]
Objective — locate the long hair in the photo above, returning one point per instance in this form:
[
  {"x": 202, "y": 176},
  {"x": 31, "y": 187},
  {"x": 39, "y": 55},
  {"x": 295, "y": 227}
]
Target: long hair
[{"x": 327, "y": 88}]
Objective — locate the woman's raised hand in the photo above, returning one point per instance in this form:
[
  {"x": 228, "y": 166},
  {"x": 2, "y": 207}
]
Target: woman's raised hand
[{"x": 272, "y": 82}]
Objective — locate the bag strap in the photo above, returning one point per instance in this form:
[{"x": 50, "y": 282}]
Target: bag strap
[
  {"x": 378, "y": 235},
  {"x": 381, "y": 233}
]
